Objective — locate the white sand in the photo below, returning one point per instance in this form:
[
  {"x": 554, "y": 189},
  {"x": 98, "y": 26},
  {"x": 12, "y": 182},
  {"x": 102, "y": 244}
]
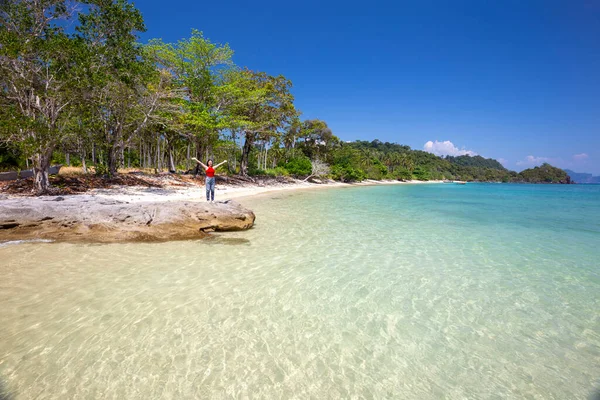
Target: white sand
[
  {"x": 140, "y": 194},
  {"x": 223, "y": 191}
]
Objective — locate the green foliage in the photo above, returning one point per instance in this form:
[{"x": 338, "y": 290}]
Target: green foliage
[
  {"x": 313, "y": 137},
  {"x": 376, "y": 170},
  {"x": 10, "y": 158},
  {"x": 39, "y": 71},
  {"x": 102, "y": 170},
  {"x": 475, "y": 161},
  {"x": 277, "y": 172},
  {"x": 347, "y": 173},
  {"x": 346, "y": 165},
  {"x": 545, "y": 173},
  {"x": 422, "y": 174},
  {"x": 58, "y": 157},
  {"x": 300, "y": 166},
  {"x": 403, "y": 174}
]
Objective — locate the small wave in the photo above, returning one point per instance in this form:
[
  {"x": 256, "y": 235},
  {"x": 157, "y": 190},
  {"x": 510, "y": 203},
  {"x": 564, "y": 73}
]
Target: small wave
[{"x": 17, "y": 242}]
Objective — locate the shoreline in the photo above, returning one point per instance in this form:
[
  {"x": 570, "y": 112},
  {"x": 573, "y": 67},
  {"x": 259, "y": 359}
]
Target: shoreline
[
  {"x": 251, "y": 191},
  {"x": 170, "y": 212},
  {"x": 195, "y": 192},
  {"x": 141, "y": 213}
]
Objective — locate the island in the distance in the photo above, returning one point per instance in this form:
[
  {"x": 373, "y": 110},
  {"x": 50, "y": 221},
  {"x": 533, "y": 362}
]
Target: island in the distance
[{"x": 583, "y": 177}]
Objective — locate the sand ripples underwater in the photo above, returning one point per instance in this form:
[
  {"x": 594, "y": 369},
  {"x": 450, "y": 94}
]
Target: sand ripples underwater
[{"x": 441, "y": 291}]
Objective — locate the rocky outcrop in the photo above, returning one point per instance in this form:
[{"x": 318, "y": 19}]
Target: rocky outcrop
[{"x": 89, "y": 218}]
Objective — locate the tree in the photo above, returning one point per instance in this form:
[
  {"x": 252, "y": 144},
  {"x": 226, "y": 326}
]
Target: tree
[
  {"x": 38, "y": 69},
  {"x": 406, "y": 162},
  {"x": 199, "y": 69},
  {"x": 545, "y": 173},
  {"x": 319, "y": 168},
  {"x": 260, "y": 106},
  {"x": 126, "y": 88},
  {"x": 316, "y": 136}
]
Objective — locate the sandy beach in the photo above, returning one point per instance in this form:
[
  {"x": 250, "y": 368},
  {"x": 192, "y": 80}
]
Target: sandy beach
[
  {"x": 166, "y": 208},
  {"x": 174, "y": 190},
  {"x": 195, "y": 191}
]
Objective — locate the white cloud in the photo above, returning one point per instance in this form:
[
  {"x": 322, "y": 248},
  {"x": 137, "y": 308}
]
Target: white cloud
[
  {"x": 575, "y": 162},
  {"x": 532, "y": 161},
  {"x": 446, "y": 148}
]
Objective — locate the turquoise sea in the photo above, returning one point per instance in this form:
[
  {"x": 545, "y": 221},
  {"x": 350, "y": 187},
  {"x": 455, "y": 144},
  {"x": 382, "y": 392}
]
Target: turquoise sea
[{"x": 432, "y": 291}]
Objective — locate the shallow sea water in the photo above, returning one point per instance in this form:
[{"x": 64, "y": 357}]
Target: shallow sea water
[{"x": 412, "y": 291}]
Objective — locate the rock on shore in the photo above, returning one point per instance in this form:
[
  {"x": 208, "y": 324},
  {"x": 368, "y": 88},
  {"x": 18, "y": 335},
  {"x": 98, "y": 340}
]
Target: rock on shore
[{"x": 95, "y": 219}]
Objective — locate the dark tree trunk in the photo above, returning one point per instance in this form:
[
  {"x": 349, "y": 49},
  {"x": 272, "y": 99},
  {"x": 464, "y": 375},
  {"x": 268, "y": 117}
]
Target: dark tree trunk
[
  {"x": 157, "y": 169},
  {"x": 187, "y": 159},
  {"x": 234, "y": 151},
  {"x": 113, "y": 159},
  {"x": 41, "y": 164},
  {"x": 170, "y": 154},
  {"x": 246, "y": 153}
]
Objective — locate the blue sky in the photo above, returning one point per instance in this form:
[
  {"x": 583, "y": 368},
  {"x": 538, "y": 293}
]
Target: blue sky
[{"x": 513, "y": 80}]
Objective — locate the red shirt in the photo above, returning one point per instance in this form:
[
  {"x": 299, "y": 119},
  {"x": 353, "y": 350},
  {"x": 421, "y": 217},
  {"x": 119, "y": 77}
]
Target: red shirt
[{"x": 210, "y": 172}]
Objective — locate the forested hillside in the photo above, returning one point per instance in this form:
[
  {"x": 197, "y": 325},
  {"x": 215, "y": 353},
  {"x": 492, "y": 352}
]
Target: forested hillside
[{"x": 475, "y": 161}]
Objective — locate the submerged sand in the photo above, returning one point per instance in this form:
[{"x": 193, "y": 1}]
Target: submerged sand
[{"x": 136, "y": 213}]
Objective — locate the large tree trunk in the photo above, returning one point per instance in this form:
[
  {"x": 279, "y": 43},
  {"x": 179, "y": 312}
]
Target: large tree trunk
[
  {"x": 82, "y": 155},
  {"x": 171, "y": 160},
  {"x": 41, "y": 164},
  {"x": 234, "y": 151},
  {"x": 246, "y": 153},
  {"x": 187, "y": 157},
  {"x": 158, "y": 166},
  {"x": 113, "y": 159}
]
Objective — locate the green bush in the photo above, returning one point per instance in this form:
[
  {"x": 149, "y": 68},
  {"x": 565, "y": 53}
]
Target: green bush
[
  {"x": 101, "y": 170},
  {"x": 377, "y": 170},
  {"x": 346, "y": 173},
  {"x": 10, "y": 159},
  {"x": 278, "y": 171},
  {"x": 403, "y": 174},
  {"x": 253, "y": 171},
  {"x": 299, "y": 166},
  {"x": 422, "y": 174}
]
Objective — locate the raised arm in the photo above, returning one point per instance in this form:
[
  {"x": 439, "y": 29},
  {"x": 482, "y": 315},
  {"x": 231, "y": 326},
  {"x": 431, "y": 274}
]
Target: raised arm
[
  {"x": 200, "y": 162},
  {"x": 219, "y": 164}
]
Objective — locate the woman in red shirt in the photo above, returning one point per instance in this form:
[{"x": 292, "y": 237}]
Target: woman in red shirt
[{"x": 210, "y": 177}]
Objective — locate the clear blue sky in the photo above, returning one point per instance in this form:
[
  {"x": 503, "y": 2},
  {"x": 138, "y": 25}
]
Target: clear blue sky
[{"x": 512, "y": 80}]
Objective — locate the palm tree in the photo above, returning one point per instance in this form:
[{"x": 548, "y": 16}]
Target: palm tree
[
  {"x": 406, "y": 161},
  {"x": 366, "y": 158}
]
